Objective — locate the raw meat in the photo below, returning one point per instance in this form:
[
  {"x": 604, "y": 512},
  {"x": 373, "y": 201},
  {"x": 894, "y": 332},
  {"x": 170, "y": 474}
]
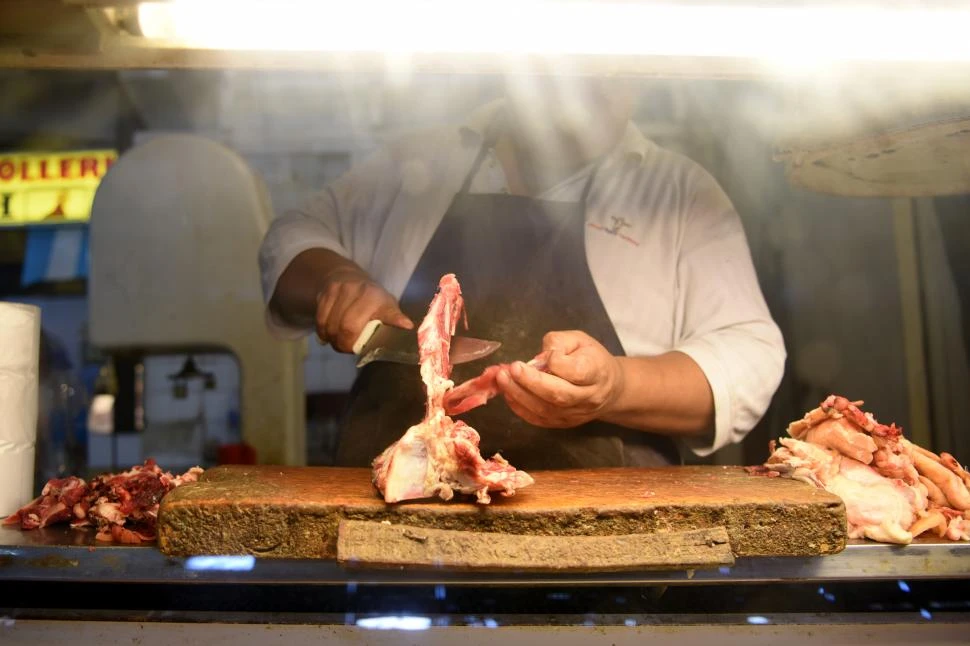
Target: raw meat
[
  {"x": 477, "y": 391},
  {"x": 440, "y": 456},
  {"x": 893, "y": 490},
  {"x": 876, "y": 507},
  {"x": 54, "y": 505},
  {"x": 123, "y": 506}
]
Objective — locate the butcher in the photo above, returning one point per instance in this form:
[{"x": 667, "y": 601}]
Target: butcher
[{"x": 571, "y": 233}]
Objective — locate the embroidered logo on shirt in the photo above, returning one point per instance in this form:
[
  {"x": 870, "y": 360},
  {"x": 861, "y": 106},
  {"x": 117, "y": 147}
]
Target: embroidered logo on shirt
[{"x": 615, "y": 228}]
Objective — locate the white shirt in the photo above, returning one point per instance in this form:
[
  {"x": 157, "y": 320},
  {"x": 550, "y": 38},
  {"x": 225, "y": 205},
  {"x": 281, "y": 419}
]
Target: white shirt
[{"x": 664, "y": 245}]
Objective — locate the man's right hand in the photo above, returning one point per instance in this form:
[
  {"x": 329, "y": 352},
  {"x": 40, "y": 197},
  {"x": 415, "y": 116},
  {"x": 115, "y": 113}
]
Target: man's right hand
[
  {"x": 328, "y": 292},
  {"x": 348, "y": 300}
]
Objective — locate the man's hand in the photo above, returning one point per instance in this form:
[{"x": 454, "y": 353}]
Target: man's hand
[
  {"x": 348, "y": 300},
  {"x": 323, "y": 290},
  {"x": 582, "y": 382}
]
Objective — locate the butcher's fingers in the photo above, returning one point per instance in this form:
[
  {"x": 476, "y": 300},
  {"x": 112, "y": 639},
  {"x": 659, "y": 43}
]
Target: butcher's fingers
[
  {"x": 949, "y": 483},
  {"x": 548, "y": 388},
  {"x": 526, "y": 405},
  {"x": 331, "y": 305},
  {"x": 841, "y": 436},
  {"x": 346, "y": 309},
  {"x": 370, "y": 306},
  {"x": 540, "y": 361},
  {"x": 577, "y": 368},
  {"x": 338, "y": 330},
  {"x": 564, "y": 341}
]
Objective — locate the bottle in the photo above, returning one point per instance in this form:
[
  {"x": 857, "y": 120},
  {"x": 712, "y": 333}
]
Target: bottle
[{"x": 62, "y": 418}]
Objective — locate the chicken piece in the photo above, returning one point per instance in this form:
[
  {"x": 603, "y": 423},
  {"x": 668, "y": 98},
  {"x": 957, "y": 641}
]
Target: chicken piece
[
  {"x": 893, "y": 490},
  {"x": 957, "y": 525},
  {"x": 949, "y": 483},
  {"x": 877, "y": 508},
  {"x": 932, "y": 520},
  {"x": 841, "y": 425},
  {"x": 934, "y": 493},
  {"x": 881, "y": 509},
  {"x": 839, "y": 434},
  {"x": 439, "y": 456},
  {"x": 894, "y": 459},
  {"x": 951, "y": 463}
]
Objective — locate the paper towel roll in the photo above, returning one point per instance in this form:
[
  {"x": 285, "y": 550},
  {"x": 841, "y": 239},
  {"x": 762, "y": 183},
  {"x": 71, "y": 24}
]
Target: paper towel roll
[{"x": 19, "y": 366}]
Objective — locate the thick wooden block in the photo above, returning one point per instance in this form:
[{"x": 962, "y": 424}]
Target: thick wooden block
[{"x": 289, "y": 512}]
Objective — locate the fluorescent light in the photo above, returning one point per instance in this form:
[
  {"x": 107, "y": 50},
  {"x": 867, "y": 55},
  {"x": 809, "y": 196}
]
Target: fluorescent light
[
  {"x": 240, "y": 563},
  {"x": 393, "y": 622},
  {"x": 793, "y": 34}
]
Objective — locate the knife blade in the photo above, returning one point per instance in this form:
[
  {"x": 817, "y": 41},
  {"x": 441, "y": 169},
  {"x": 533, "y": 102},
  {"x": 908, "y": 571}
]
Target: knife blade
[{"x": 379, "y": 342}]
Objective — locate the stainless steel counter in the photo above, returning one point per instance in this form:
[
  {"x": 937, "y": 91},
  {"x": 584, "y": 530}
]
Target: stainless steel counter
[
  {"x": 59, "y": 585},
  {"x": 73, "y": 555}
]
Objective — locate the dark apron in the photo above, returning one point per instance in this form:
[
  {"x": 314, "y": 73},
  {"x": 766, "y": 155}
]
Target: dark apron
[{"x": 521, "y": 263}]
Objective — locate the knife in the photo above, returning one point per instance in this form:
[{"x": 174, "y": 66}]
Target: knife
[{"x": 379, "y": 342}]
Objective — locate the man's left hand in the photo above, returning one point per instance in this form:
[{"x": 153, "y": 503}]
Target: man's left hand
[{"x": 581, "y": 382}]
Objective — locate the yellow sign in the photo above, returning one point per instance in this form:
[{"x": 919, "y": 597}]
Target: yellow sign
[{"x": 50, "y": 188}]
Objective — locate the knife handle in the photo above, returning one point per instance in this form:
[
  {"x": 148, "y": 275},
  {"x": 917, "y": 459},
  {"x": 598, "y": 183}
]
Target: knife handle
[{"x": 365, "y": 335}]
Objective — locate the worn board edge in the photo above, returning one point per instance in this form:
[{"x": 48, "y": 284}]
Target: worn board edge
[
  {"x": 297, "y": 532},
  {"x": 373, "y": 544}
]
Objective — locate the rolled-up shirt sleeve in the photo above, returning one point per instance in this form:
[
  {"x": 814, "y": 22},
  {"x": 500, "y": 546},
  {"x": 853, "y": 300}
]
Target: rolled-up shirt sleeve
[
  {"x": 345, "y": 217},
  {"x": 725, "y": 324}
]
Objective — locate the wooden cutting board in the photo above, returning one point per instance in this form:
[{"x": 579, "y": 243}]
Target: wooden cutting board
[{"x": 294, "y": 512}]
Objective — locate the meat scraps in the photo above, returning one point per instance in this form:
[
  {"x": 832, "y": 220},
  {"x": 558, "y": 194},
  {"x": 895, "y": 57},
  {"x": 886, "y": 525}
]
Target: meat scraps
[
  {"x": 477, "y": 391},
  {"x": 122, "y": 506},
  {"x": 440, "y": 456},
  {"x": 893, "y": 490}
]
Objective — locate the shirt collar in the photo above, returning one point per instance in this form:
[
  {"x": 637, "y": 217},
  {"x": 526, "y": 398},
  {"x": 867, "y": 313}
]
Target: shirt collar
[{"x": 631, "y": 146}]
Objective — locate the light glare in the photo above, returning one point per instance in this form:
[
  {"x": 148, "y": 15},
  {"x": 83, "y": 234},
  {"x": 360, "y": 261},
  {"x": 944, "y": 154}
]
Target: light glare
[
  {"x": 241, "y": 563},
  {"x": 394, "y": 622},
  {"x": 796, "y": 36}
]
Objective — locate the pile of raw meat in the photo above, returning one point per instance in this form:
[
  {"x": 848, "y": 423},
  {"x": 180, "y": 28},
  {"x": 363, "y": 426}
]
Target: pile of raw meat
[
  {"x": 122, "y": 506},
  {"x": 440, "y": 456},
  {"x": 893, "y": 490}
]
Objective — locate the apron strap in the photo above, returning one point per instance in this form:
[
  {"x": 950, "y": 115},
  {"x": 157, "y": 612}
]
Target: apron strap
[
  {"x": 489, "y": 137},
  {"x": 466, "y": 185}
]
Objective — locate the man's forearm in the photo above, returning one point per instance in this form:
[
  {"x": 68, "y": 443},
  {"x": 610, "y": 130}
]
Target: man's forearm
[
  {"x": 667, "y": 393},
  {"x": 296, "y": 294}
]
